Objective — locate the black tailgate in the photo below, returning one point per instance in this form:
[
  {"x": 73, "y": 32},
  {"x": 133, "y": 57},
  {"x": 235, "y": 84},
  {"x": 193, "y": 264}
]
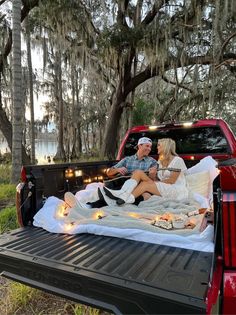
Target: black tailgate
[{"x": 120, "y": 275}]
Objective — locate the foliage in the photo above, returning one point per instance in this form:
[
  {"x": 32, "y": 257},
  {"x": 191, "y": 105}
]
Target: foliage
[
  {"x": 21, "y": 299},
  {"x": 7, "y": 192},
  {"x": 5, "y": 157},
  {"x": 5, "y": 173},
  {"x": 19, "y": 296},
  {"x": 8, "y": 220},
  {"x": 143, "y": 113},
  {"x": 79, "y": 309}
]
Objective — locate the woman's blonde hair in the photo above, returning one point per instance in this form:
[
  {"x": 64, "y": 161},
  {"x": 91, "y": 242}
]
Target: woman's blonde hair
[{"x": 169, "y": 147}]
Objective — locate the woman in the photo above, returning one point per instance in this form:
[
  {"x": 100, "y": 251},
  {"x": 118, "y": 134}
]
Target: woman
[{"x": 169, "y": 184}]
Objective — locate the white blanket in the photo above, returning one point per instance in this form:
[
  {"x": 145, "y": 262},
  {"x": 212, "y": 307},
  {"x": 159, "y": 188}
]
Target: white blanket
[
  {"x": 133, "y": 222},
  {"x": 129, "y": 222}
]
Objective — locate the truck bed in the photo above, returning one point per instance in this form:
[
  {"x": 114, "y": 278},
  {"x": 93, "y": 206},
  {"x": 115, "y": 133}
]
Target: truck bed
[{"x": 119, "y": 275}]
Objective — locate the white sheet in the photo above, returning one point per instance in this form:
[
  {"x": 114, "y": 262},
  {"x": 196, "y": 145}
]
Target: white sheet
[
  {"x": 119, "y": 223},
  {"x": 122, "y": 225}
]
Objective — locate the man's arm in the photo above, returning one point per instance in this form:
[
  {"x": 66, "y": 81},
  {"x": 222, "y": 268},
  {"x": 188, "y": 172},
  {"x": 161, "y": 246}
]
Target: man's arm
[{"x": 119, "y": 168}]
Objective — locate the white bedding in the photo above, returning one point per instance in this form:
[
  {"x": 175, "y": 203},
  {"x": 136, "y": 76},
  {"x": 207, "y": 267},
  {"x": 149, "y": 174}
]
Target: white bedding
[{"x": 130, "y": 221}]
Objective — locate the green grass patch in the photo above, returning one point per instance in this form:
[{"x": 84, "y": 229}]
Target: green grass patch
[
  {"x": 7, "y": 192},
  {"x": 8, "y": 219},
  {"x": 21, "y": 299},
  {"x": 5, "y": 173}
]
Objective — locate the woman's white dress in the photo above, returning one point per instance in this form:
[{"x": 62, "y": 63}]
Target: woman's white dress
[{"x": 178, "y": 190}]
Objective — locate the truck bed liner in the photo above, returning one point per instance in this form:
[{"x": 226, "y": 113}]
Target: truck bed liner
[{"x": 99, "y": 271}]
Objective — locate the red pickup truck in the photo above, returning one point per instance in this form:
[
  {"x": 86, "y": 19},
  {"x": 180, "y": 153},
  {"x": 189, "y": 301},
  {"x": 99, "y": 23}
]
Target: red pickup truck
[{"x": 126, "y": 276}]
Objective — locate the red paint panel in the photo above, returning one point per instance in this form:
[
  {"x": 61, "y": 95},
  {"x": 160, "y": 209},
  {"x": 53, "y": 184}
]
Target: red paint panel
[
  {"x": 229, "y": 292},
  {"x": 214, "y": 288},
  {"x": 232, "y": 210},
  {"x": 226, "y": 229},
  {"x": 228, "y": 178},
  {"x": 229, "y": 229}
]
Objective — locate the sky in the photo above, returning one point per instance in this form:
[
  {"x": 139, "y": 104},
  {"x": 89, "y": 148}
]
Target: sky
[{"x": 37, "y": 63}]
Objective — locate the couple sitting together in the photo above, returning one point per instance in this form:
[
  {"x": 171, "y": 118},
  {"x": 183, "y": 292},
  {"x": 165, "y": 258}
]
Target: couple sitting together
[{"x": 165, "y": 178}]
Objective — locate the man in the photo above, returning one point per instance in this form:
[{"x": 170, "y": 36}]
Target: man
[{"x": 138, "y": 161}]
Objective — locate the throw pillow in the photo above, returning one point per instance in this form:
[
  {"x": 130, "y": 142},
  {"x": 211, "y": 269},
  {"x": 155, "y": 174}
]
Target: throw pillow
[{"x": 199, "y": 183}]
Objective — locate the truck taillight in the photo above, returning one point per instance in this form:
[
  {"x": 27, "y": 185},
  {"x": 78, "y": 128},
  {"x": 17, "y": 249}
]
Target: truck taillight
[{"x": 23, "y": 174}]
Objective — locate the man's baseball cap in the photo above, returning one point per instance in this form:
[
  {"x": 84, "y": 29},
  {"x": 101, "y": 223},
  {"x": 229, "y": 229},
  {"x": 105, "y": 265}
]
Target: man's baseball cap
[{"x": 144, "y": 140}]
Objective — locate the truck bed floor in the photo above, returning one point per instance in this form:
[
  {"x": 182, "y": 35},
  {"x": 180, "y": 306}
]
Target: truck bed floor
[{"x": 119, "y": 275}]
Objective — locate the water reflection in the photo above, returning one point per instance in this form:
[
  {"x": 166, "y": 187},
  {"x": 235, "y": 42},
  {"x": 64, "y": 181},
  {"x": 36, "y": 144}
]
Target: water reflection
[{"x": 44, "y": 150}]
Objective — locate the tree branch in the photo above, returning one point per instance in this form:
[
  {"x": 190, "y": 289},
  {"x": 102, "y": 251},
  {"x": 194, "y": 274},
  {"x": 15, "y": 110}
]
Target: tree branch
[
  {"x": 28, "y": 5},
  {"x": 226, "y": 43},
  {"x": 153, "y": 12},
  {"x": 122, "y": 8},
  {"x": 2, "y": 1},
  {"x": 137, "y": 15},
  {"x": 152, "y": 71},
  {"x": 176, "y": 84}
]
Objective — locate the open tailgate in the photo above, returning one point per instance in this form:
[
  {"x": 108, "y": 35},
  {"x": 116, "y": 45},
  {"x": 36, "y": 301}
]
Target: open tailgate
[{"x": 119, "y": 275}]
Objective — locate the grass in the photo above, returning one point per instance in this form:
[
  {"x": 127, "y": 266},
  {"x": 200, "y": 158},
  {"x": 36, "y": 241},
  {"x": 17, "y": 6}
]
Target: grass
[
  {"x": 5, "y": 173},
  {"x": 21, "y": 299},
  {"x": 8, "y": 220},
  {"x": 7, "y": 192}
]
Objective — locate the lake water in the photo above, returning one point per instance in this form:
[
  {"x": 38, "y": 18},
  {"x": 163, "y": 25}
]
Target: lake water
[{"x": 43, "y": 149}]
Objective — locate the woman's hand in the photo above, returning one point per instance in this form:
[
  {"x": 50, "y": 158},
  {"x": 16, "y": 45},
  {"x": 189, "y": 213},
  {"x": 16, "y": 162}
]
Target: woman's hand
[{"x": 152, "y": 172}]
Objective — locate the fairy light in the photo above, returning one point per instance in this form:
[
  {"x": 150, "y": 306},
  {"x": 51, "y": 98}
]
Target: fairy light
[
  {"x": 62, "y": 211},
  {"x": 88, "y": 180},
  {"x": 134, "y": 215},
  {"x": 68, "y": 226},
  {"x": 78, "y": 173},
  {"x": 69, "y": 173},
  {"x": 98, "y": 215}
]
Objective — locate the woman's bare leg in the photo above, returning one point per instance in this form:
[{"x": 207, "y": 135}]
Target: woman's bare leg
[
  {"x": 149, "y": 186},
  {"x": 139, "y": 176}
]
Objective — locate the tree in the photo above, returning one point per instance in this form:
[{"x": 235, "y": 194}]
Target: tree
[
  {"x": 169, "y": 35},
  {"x": 182, "y": 51},
  {"x": 5, "y": 123},
  {"x": 31, "y": 90},
  {"x": 18, "y": 111}
]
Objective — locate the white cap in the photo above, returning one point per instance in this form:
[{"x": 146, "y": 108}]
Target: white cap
[{"x": 144, "y": 140}]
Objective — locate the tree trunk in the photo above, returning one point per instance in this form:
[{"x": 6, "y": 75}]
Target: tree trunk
[
  {"x": 112, "y": 126},
  {"x": 31, "y": 91},
  {"x": 5, "y": 125},
  {"x": 76, "y": 112},
  {"x": 17, "y": 96},
  {"x": 6, "y": 129},
  {"x": 60, "y": 155}
]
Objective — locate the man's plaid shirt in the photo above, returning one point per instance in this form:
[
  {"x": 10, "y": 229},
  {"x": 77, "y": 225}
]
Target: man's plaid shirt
[{"x": 132, "y": 163}]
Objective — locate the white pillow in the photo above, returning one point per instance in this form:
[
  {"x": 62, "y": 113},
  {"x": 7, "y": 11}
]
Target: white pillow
[
  {"x": 199, "y": 183},
  {"x": 206, "y": 164}
]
